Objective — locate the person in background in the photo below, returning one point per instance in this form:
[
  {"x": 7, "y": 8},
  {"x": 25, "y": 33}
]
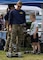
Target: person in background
[
  {"x": 2, "y": 23},
  {"x": 17, "y": 20},
  {"x": 10, "y": 8},
  {"x": 34, "y": 34},
  {"x": 2, "y": 28}
]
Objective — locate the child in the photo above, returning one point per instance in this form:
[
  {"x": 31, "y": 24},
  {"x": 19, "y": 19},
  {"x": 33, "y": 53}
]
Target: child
[{"x": 34, "y": 34}]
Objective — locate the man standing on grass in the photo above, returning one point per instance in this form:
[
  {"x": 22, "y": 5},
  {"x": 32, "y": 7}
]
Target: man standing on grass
[{"x": 17, "y": 20}]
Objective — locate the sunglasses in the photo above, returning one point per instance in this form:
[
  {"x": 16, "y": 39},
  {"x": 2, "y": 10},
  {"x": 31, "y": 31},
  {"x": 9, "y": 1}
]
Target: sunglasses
[{"x": 19, "y": 6}]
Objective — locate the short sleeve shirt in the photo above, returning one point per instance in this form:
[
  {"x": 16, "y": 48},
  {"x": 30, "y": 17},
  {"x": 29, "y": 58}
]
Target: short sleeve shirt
[{"x": 33, "y": 27}]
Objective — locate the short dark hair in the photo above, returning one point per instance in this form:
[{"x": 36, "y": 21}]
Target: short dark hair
[
  {"x": 19, "y": 2},
  {"x": 33, "y": 15},
  {"x": 10, "y": 5}
]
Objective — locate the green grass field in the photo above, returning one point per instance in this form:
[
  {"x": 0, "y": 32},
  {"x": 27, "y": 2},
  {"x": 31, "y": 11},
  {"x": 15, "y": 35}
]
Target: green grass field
[{"x": 25, "y": 57}]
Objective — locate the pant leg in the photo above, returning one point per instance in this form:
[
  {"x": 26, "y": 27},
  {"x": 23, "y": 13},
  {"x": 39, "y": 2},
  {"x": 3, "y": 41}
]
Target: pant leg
[
  {"x": 7, "y": 41},
  {"x": 13, "y": 37},
  {"x": 21, "y": 35}
]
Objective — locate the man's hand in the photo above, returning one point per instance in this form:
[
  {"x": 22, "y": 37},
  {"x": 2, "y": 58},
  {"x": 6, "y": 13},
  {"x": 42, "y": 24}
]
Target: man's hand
[{"x": 10, "y": 29}]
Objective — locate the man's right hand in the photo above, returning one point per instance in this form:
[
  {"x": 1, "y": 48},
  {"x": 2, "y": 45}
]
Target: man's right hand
[{"x": 10, "y": 29}]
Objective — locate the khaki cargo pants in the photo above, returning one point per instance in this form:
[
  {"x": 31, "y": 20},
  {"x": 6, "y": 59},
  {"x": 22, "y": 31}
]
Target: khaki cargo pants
[{"x": 16, "y": 36}]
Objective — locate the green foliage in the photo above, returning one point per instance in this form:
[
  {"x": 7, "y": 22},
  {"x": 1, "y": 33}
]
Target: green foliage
[{"x": 28, "y": 24}]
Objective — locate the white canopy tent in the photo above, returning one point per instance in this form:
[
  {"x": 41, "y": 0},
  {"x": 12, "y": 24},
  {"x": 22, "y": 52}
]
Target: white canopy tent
[{"x": 3, "y": 8}]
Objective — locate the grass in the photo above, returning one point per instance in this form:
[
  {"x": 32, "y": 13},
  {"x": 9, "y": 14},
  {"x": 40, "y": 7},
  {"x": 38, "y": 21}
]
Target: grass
[{"x": 25, "y": 57}]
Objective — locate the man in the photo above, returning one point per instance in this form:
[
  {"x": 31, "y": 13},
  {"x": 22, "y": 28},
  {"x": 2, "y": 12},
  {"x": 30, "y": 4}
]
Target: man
[
  {"x": 10, "y": 7},
  {"x": 17, "y": 20}
]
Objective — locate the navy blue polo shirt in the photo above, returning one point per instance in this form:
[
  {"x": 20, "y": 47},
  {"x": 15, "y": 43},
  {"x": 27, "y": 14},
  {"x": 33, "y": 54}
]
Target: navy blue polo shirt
[{"x": 17, "y": 17}]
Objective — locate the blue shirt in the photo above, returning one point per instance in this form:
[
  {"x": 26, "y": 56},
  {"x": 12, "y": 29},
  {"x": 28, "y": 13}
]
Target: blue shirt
[
  {"x": 7, "y": 16},
  {"x": 17, "y": 17}
]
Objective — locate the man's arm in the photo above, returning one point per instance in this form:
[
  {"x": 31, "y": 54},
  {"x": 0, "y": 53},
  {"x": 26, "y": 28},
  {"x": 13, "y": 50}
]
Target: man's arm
[
  {"x": 10, "y": 21},
  {"x": 24, "y": 17}
]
